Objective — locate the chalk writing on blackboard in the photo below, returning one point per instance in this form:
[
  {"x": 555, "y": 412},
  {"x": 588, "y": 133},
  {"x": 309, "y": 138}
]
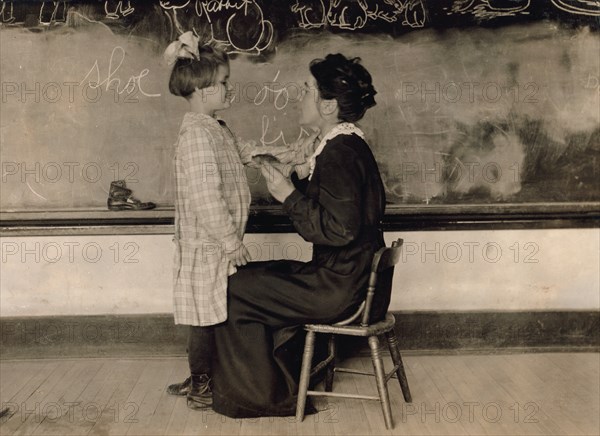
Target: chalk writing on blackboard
[
  {"x": 277, "y": 138},
  {"x": 256, "y": 26},
  {"x": 280, "y": 94},
  {"x": 53, "y": 13},
  {"x": 131, "y": 86},
  {"x": 583, "y": 7},
  {"x": 47, "y": 13},
  {"x": 229, "y": 21},
  {"x": 352, "y": 15},
  {"x": 116, "y": 10},
  {"x": 489, "y": 9},
  {"x": 277, "y": 92},
  {"x": 172, "y": 8},
  {"x": 7, "y": 12}
]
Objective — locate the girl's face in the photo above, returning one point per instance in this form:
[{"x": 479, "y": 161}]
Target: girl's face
[
  {"x": 218, "y": 96},
  {"x": 309, "y": 103}
]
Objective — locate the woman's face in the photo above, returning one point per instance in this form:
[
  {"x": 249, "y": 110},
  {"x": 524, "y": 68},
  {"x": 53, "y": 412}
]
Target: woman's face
[{"x": 309, "y": 102}]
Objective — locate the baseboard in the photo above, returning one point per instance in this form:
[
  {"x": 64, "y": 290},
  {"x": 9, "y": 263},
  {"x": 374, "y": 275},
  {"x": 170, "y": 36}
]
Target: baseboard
[
  {"x": 456, "y": 330},
  {"x": 155, "y": 335}
]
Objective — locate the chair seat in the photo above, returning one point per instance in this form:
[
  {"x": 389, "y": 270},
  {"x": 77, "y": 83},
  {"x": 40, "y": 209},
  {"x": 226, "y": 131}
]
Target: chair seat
[{"x": 378, "y": 328}]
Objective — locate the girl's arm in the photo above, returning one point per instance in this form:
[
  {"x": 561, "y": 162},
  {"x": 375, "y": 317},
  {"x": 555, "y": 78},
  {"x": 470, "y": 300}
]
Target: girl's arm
[
  {"x": 293, "y": 158},
  {"x": 295, "y": 154},
  {"x": 245, "y": 149},
  {"x": 198, "y": 154}
]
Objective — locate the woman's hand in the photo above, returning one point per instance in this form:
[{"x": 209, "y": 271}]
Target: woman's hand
[
  {"x": 278, "y": 185},
  {"x": 240, "y": 256},
  {"x": 303, "y": 170}
]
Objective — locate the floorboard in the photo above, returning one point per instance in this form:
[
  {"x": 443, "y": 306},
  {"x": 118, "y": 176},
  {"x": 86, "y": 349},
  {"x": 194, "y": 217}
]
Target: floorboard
[{"x": 525, "y": 394}]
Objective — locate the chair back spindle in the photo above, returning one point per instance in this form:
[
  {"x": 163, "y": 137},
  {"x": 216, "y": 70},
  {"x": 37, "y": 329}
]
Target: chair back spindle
[{"x": 385, "y": 258}]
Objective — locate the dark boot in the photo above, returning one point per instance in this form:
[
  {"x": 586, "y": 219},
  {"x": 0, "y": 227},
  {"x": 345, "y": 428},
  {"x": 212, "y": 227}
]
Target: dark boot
[
  {"x": 182, "y": 388},
  {"x": 129, "y": 203},
  {"x": 200, "y": 395},
  {"x": 121, "y": 198},
  {"x": 118, "y": 189}
]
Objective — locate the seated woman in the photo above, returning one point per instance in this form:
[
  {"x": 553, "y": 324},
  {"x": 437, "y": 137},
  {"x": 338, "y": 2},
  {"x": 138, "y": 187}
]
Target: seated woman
[{"x": 338, "y": 209}]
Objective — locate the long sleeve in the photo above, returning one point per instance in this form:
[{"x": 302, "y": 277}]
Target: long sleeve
[
  {"x": 244, "y": 147},
  {"x": 335, "y": 219},
  {"x": 198, "y": 155}
]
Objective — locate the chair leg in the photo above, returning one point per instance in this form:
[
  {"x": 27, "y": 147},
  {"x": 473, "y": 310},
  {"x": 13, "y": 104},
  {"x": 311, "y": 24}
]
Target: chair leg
[
  {"x": 331, "y": 366},
  {"x": 381, "y": 382},
  {"x": 397, "y": 359},
  {"x": 309, "y": 348}
]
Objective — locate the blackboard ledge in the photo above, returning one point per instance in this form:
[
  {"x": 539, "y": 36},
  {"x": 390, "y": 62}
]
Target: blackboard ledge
[{"x": 271, "y": 219}]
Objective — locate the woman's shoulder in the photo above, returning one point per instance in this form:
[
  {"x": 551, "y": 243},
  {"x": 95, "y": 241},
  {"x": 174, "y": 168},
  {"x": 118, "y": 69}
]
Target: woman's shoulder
[
  {"x": 350, "y": 152},
  {"x": 349, "y": 146}
]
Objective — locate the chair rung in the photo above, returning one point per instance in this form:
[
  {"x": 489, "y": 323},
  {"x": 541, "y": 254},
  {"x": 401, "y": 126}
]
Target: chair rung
[
  {"x": 353, "y": 371},
  {"x": 338, "y": 395},
  {"x": 322, "y": 365},
  {"x": 392, "y": 374}
]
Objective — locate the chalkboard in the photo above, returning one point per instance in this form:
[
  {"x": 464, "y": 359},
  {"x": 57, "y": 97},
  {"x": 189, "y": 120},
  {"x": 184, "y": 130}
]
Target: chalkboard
[{"x": 479, "y": 101}]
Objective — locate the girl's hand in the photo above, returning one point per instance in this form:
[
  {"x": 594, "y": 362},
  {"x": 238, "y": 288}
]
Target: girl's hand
[
  {"x": 240, "y": 256},
  {"x": 278, "y": 185}
]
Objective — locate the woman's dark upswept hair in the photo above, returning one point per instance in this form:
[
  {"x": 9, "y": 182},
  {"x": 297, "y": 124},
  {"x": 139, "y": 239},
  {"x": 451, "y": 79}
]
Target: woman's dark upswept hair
[
  {"x": 189, "y": 74},
  {"x": 346, "y": 81}
]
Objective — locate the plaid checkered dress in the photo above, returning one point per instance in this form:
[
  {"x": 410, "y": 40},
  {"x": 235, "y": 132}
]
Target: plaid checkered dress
[{"x": 211, "y": 211}]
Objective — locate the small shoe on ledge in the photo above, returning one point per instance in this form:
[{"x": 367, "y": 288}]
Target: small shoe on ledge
[
  {"x": 129, "y": 203},
  {"x": 118, "y": 189},
  {"x": 121, "y": 198}
]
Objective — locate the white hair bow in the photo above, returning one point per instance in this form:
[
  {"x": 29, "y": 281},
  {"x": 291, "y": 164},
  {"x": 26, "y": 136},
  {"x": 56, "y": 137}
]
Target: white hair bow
[{"x": 186, "y": 46}]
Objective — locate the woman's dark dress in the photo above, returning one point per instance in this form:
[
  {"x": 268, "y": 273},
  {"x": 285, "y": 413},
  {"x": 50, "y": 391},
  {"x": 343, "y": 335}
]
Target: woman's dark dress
[{"x": 260, "y": 347}]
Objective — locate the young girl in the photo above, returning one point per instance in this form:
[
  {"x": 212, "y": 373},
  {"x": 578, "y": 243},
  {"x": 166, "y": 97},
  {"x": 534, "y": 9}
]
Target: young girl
[{"x": 211, "y": 206}]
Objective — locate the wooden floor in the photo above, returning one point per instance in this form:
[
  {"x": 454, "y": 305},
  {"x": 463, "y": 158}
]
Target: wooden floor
[{"x": 513, "y": 394}]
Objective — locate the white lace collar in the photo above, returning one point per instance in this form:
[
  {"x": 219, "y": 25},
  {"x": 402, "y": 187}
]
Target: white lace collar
[{"x": 339, "y": 129}]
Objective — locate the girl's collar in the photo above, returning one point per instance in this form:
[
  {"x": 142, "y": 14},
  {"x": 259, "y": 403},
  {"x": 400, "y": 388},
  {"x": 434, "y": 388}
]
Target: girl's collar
[{"x": 199, "y": 116}]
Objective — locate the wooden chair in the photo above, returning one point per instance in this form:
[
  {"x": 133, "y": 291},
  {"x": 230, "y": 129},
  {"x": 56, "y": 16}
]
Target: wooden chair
[{"x": 385, "y": 258}]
